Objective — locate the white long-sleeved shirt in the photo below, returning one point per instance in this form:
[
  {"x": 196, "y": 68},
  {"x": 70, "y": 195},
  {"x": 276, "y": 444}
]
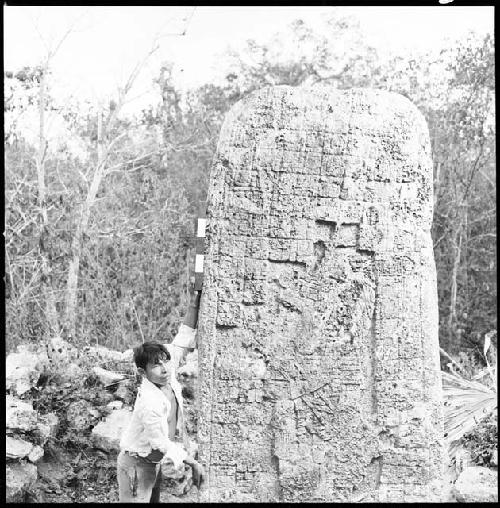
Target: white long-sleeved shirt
[{"x": 148, "y": 428}]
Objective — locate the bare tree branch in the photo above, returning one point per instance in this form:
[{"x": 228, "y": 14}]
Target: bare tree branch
[
  {"x": 484, "y": 235},
  {"x": 65, "y": 36}
]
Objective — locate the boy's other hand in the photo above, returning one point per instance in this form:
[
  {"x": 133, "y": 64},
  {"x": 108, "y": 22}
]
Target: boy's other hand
[{"x": 198, "y": 473}]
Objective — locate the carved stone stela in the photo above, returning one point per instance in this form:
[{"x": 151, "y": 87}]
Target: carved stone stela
[{"x": 318, "y": 333}]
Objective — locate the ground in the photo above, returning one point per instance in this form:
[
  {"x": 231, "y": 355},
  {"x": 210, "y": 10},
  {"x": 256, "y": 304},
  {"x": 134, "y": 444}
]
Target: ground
[{"x": 89, "y": 477}]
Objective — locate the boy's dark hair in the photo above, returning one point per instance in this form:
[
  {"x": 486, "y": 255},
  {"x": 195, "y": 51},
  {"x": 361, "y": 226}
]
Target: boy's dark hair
[{"x": 149, "y": 352}]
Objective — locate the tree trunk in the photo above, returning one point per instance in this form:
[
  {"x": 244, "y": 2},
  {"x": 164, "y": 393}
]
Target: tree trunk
[
  {"x": 465, "y": 263},
  {"x": 452, "y": 316},
  {"x": 47, "y": 291},
  {"x": 76, "y": 246},
  {"x": 171, "y": 111}
]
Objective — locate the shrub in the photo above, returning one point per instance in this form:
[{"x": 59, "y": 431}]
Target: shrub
[{"x": 482, "y": 441}]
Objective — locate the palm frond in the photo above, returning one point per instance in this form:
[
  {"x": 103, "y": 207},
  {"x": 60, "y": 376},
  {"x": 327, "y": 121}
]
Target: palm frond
[{"x": 466, "y": 403}]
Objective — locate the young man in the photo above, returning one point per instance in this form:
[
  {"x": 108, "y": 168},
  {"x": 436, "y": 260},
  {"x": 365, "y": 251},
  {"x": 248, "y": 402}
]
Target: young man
[{"x": 148, "y": 442}]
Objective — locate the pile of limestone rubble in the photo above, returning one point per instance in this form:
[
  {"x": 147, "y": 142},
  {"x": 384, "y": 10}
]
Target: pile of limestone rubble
[{"x": 31, "y": 430}]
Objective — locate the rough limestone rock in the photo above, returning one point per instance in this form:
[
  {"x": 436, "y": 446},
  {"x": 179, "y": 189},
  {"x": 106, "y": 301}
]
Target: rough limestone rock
[
  {"x": 125, "y": 393},
  {"x": 61, "y": 352},
  {"x": 19, "y": 415},
  {"x": 114, "y": 404},
  {"x": 47, "y": 427},
  {"x": 463, "y": 459},
  {"x": 103, "y": 354},
  {"x": 19, "y": 478},
  {"x": 81, "y": 415},
  {"x": 73, "y": 372},
  {"x": 494, "y": 458},
  {"x": 17, "y": 448},
  {"x": 477, "y": 485},
  {"x": 107, "y": 433},
  {"x": 319, "y": 370},
  {"x": 107, "y": 377},
  {"x": 36, "y": 454},
  {"x": 22, "y": 370}
]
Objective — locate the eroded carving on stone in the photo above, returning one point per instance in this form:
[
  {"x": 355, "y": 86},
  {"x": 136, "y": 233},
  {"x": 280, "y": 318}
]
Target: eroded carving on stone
[{"x": 319, "y": 361}]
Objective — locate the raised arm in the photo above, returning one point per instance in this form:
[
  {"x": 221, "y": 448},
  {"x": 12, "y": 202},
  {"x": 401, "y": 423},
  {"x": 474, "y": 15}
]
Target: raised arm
[
  {"x": 191, "y": 317},
  {"x": 185, "y": 338}
]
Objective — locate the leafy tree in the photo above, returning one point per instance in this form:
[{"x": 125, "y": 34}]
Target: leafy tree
[
  {"x": 338, "y": 56},
  {"x": 463, "y": 136}
]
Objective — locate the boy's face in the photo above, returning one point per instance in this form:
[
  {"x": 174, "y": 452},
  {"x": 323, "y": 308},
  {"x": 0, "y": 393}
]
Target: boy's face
[{"x": 159, "y": 371}]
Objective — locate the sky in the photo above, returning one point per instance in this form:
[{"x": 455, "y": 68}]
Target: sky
[{"x": 105, "y": 43}]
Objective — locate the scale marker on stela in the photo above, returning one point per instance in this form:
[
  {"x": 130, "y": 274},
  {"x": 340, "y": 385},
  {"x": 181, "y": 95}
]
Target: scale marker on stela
[{"x": 201, "y": 224}]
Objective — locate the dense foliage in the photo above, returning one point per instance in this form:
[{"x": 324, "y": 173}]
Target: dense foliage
[
  {"x": 120, "y": 195},
  {"x": 482, "y": 441}
]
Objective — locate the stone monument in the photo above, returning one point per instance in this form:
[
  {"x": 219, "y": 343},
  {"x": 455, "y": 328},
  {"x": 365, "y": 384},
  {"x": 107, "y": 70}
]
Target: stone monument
[{"x": 318, "y": 335}]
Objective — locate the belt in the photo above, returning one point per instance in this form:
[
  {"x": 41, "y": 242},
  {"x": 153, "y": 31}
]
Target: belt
[{"x": 137, "y": 456}]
